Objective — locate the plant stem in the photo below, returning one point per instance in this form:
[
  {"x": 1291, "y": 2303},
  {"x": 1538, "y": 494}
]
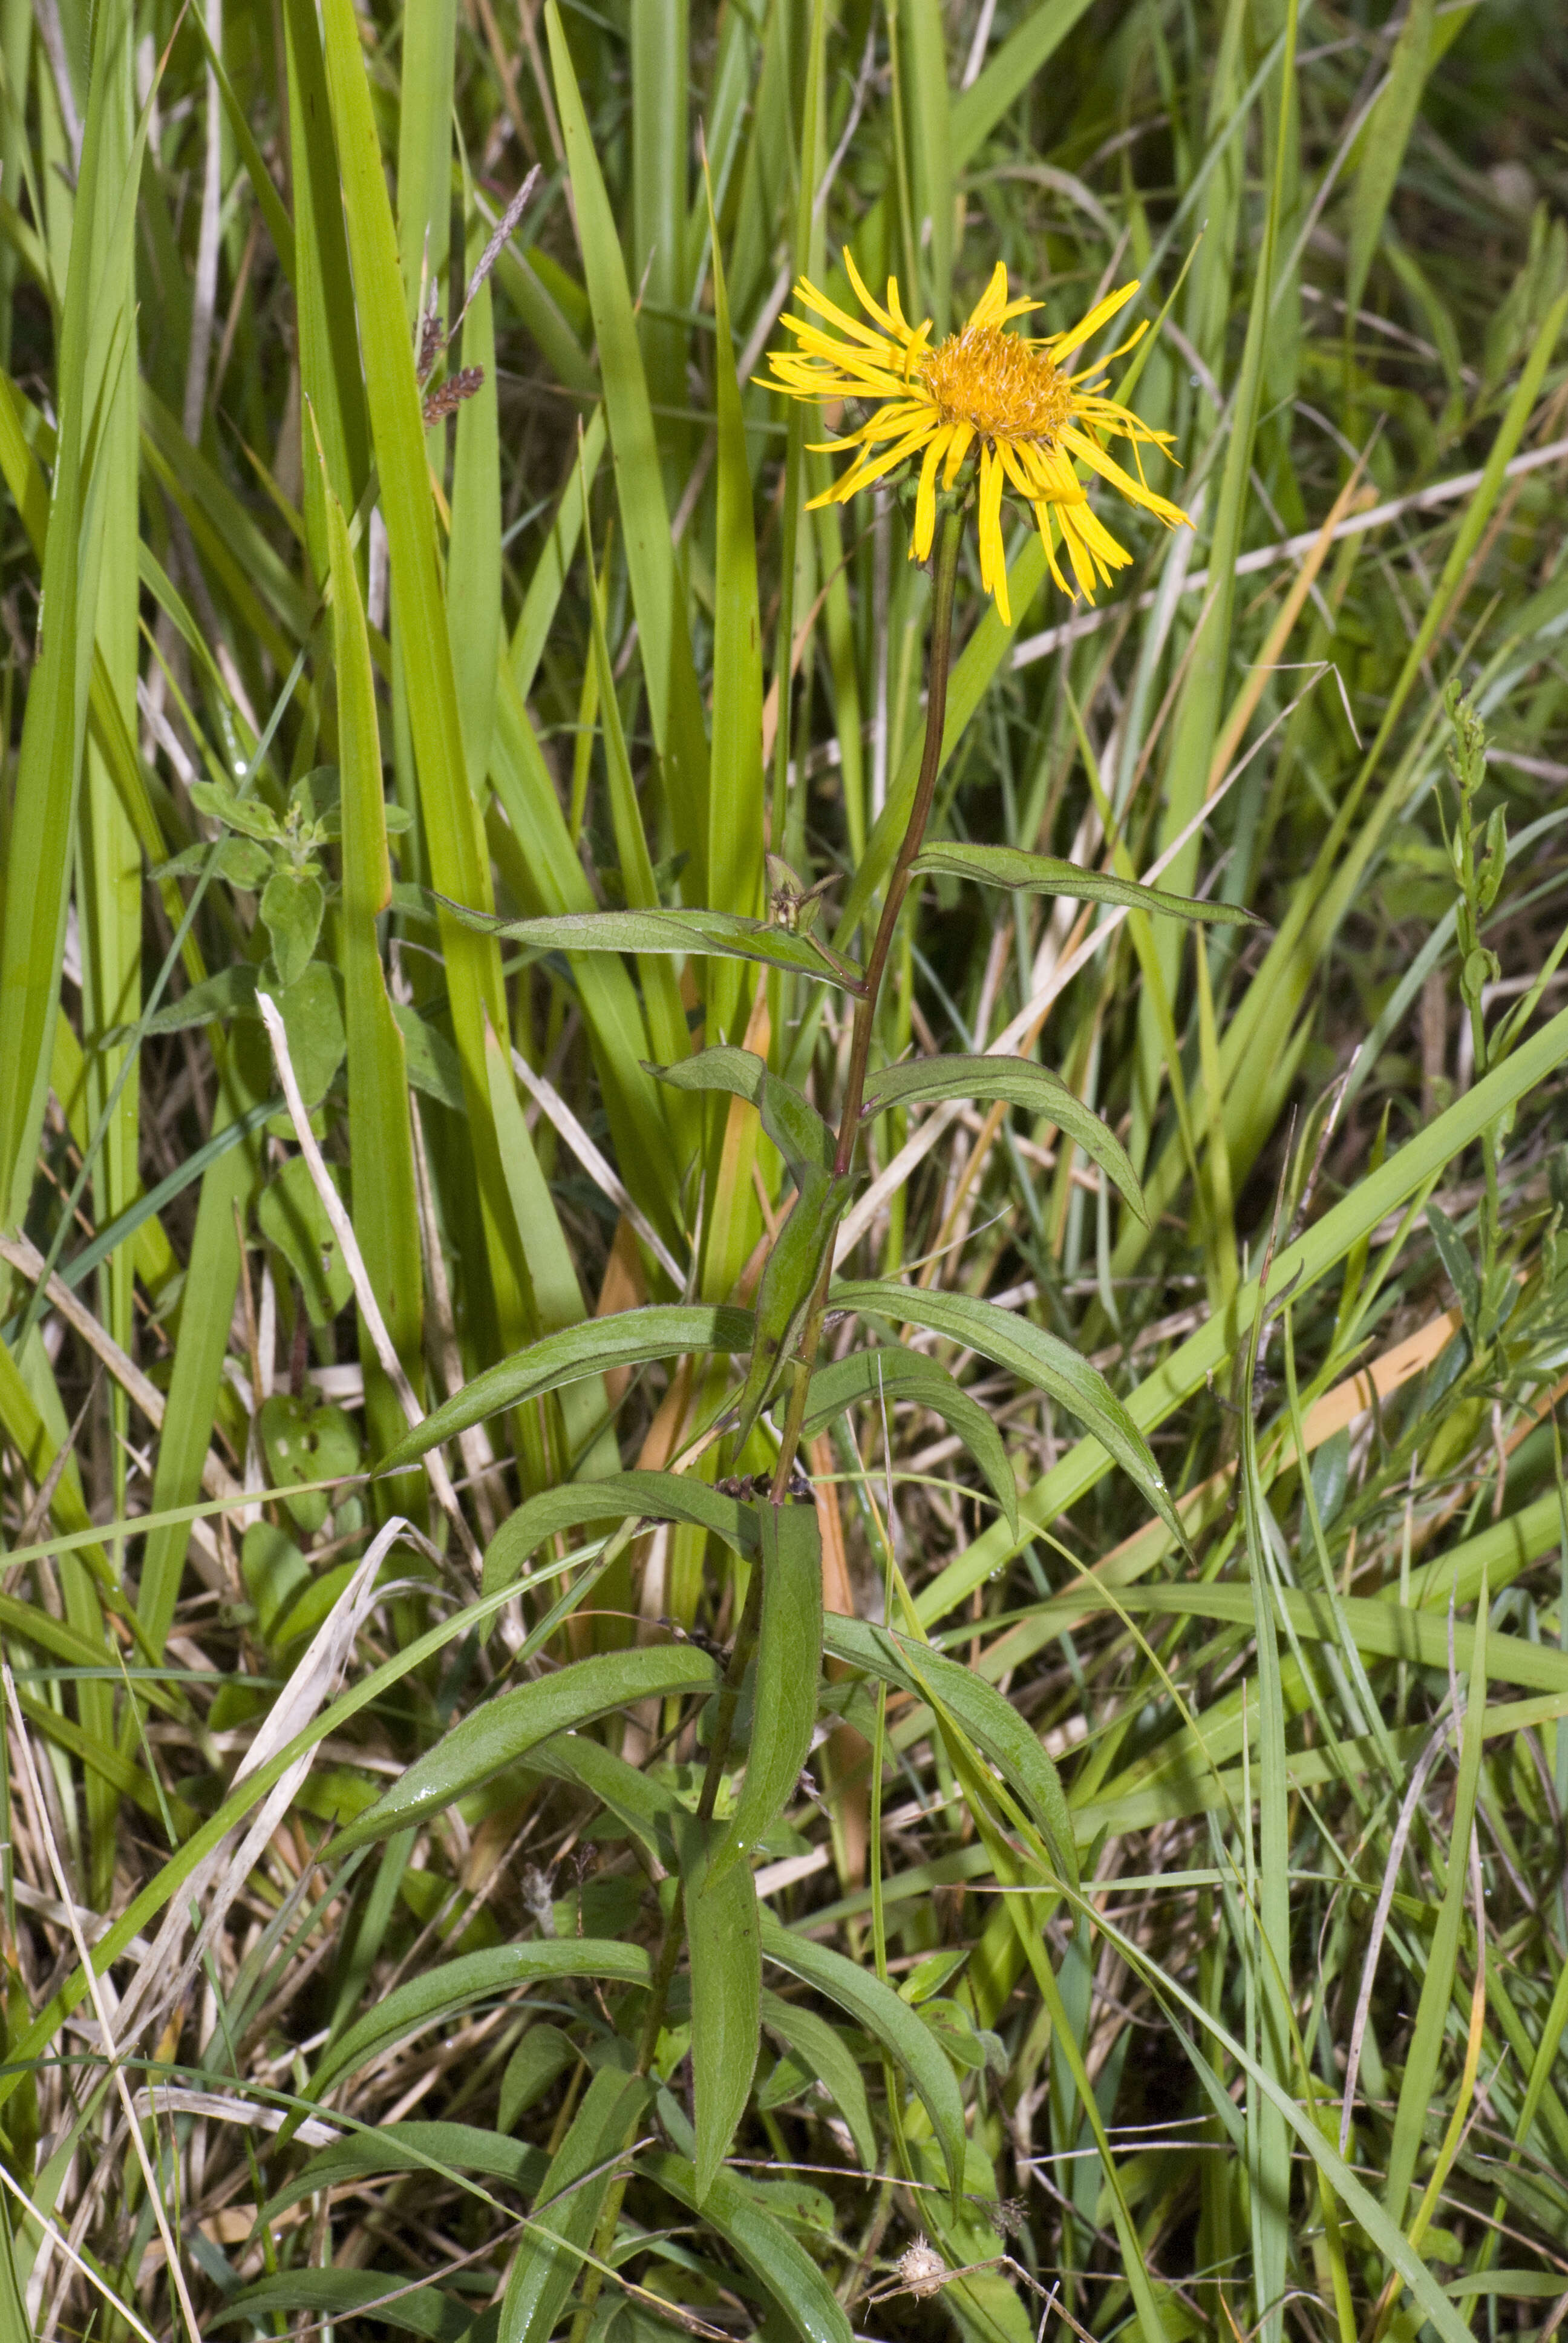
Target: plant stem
[
  {"x": 950, "y": 533},
  {"x": 948, "y": 538}
]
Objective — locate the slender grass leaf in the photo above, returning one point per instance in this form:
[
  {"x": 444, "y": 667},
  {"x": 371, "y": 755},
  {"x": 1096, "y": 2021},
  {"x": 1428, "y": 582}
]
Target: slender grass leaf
[
  {"x": 976, "y": 111},
  {"x": 542, "y": 599},
  {"x": 385, "y": 1202},
  {"x": 1383, "y": 144},
  {"x": 425, "y": 151},
  {"x": 474, "y": 554},
  {"x": 452, "y": 831},
  {"x": 1419, "y": 2083},
  {"x": 658, "y": 598},
  {"x": 280, "y": 226},
  {"x": 736, "y": 795}
]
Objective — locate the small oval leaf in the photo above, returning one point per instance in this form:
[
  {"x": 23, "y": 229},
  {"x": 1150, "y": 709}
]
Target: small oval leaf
[
  {"x": 790, "y": 1120},
  {"x": 826, "y": 2055}
]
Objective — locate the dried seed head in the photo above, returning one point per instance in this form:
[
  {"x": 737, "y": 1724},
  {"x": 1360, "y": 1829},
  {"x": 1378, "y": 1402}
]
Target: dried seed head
[
  {"x": 921, "y": 2270},
  {"x": 432, "y": 340},
  {"x": 452, "y": 393}
]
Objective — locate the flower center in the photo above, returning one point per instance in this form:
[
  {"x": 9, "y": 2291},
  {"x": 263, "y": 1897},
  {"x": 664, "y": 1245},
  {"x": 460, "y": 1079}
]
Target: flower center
[{"x": 996, "y": 383}]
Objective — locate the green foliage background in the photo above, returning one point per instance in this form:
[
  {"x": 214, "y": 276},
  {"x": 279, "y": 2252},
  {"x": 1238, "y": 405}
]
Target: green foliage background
[{"x": 1177, "y": 1935}]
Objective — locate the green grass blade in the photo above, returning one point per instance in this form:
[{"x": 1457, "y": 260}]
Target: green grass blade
[{"x": 658, "y": 598}]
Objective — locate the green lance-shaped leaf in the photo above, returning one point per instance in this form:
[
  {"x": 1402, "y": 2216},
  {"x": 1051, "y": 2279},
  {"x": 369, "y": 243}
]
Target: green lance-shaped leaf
[
  {"x": 789, "y": 1278},
  {"x": 1455, "y": 1258},
  {"x": 505, "y": 1728},
  {"x": 700, "y": 934},
  {"x": 540, "y": 2058},
  {"x": 891, "y": 1373},
  {"x": 1047, "y": 874},
  {"x": 543, "y": 2274},
  {"x": 722, "y": 1935},
  {"x": 1020, "y": 1082},
  {"x": 619, "y": 1497},
  {"x": 230, "y": 994},
  {"x": 631, "y": 1338},
  {"x": 788, "y": 1664},
  {"x": 659, "y": 592},
  {"x": 825, "y": 2054},
  {"x": 385, "y": 1210},
  {"x": 763, "y": 2244},
  {"x": 437, "y": 1995},
  {"x": 991, "y": 1723},
  {"x": 790, "y": 1120},
  {"x": 651, "y": 1811},
  {"x": 876, "y": 2007},
  {"x": 1039, "y": 1358},
  {"x": 334, "y": 2296},
  {"x": 447, "y": 2149}
]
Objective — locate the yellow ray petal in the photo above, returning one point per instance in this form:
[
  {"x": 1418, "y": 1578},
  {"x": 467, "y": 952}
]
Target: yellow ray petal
[
  {"x": 926, "y": 502},
  {"x": 993, "y": 553},
  {"x": 992, "y": 303},
  {"x": 1063, "y": 344},
  {"x": 872, "y": 308},
  {"x": 807, "y": 292},
  {"x": 1133, "y": 338},
  {"x": 1084, "y": 447},
  {"x": 957, "y": 449},
  {"x": 1044, "y": 515},
  {"x": 870, "y": 470},
  {"x": 1070, "y": 517}
]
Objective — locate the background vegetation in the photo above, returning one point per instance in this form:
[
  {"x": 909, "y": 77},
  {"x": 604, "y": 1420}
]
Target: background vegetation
[{"x": 291, "y": 670}]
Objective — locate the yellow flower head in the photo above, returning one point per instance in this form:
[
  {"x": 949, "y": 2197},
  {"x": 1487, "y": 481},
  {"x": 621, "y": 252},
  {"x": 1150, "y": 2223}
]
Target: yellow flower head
[{"x": 1030, "y": 417}]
